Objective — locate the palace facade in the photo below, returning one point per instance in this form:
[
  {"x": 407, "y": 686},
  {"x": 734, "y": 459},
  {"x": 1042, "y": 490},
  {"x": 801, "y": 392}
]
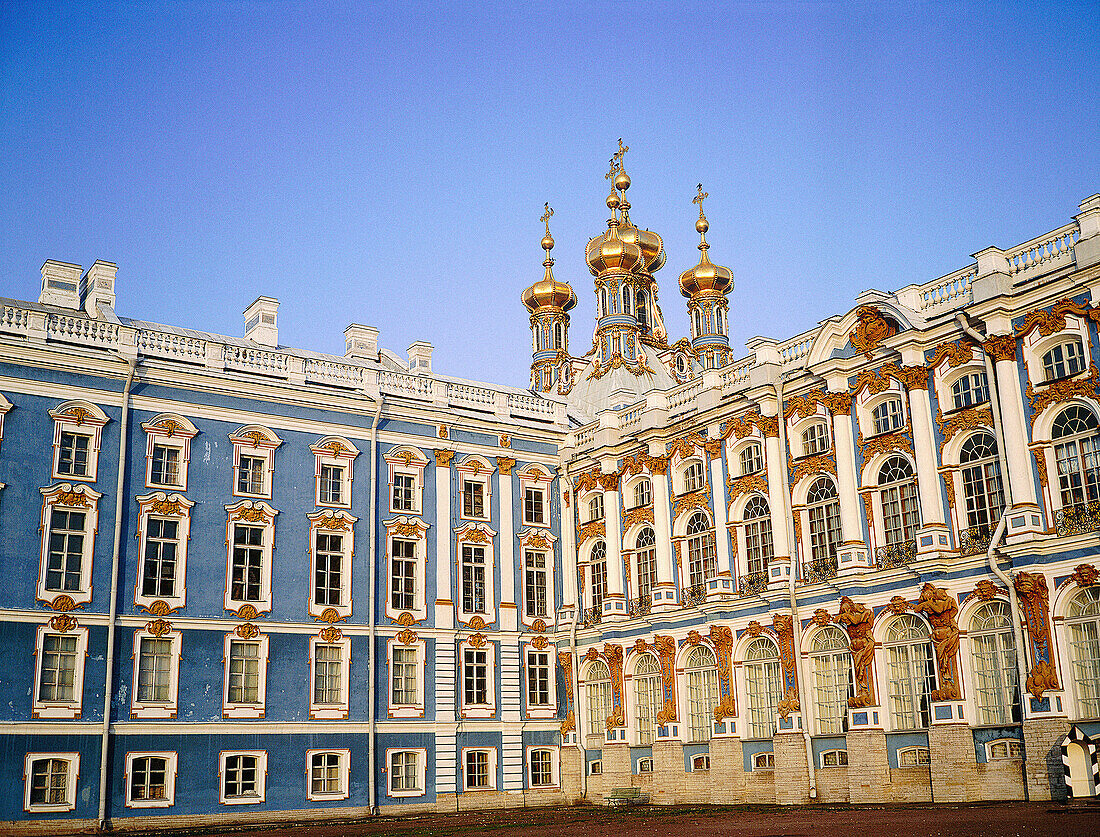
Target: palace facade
[{"x": 250, "y": 582}]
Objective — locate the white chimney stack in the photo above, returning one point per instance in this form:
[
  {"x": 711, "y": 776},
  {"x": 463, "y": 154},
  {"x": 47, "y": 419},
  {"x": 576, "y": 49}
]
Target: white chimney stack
[{"x": 261, "y": 322}]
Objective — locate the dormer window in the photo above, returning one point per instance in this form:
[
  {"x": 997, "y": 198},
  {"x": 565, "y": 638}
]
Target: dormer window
[
  {"x": 751, "y": 460},
  {"x": 1064, "y": 360},
  {"x": 815, "y": 439},
  {"x": 969, "y": 390},
  {"x": 887, "y": 416}
]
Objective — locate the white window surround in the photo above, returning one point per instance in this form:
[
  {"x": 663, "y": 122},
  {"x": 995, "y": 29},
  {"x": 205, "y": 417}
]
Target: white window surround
[
  {"x": 337, "y": 452},
  {"x": 406, "y": 710},
  {"x": 81, "y": 418},
  {"x": 914, "y": 757},
  {"x": 547, "y": 710},
  {"x": 537, "y": 478},
  {"x": 700, "y": 763},
  {"x": 170, "y": 506},
  {"x": 250, "y": 513},
  {"x": 171, "y": 770},
  {"x": 261, "y": 777},
  {"x": 834, "y": 758},
  {"x": 66, "y": 709},
  {"x": 343, "y": 779},
  {"x": 645, "y": 765},
  {"x": 329, "y": 711},
  {"x": 172, "y": 431},
  {"x": 254, "y": 440},
  {"x": 247, "y": 710},
  {"x": 492, "y": 768},
  {"x": 477, "y": 535},
  {"x": 78, "y": 498},
  {"x": 478, "y": 710},
  {"x": 72, "y": 761},
  {"x": 407, "y": 529},
  {"x": 763, "y": 761},
  {"x": 1034, "y": 346},
  {"x": 408, "y": 461},
  {"x": 739, "y": 456},
  {"x": 421, "y": 772},
  {"x": 475, "y": 470},
  {"x": 945, "y": 383},
  {"x": 692, "y": 475},
  {"x": 167, "y": 708},
  {"x": 866, "y": 404},
  {"x": 797, "y": 434},
  {"x": 538, "y": 540},
  {"x": 595, "y": 767},
  {"x": 1004, "y": 748},
  {"x": 555, "y": 765},
  {"x": 333, "y": 523}
]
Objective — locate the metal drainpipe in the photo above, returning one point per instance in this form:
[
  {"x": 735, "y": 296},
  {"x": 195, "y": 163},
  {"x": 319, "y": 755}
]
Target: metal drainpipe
[
  {"x": 796, "y": 628},
  {"x": 998, "y": 533},
  {"x": 108, "y": 680},
  {"x": 372, "y": 790},
  {"x": 573, "y": 651}
]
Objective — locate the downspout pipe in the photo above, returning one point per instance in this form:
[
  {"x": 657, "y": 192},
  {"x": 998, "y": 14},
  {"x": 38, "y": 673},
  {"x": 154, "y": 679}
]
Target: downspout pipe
[
  {"x": 1002, "y": 524},
  {"x": 112, "y": 614},
  {"x": 573, "y": 662},
  {"x": 796, "y": 627},
  {"x": 372, "y": 560}
]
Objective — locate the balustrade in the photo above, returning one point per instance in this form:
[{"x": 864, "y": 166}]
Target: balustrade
[
  {"x": 694, "y": 595},
  {"x": 820, "y": 570},
  {"x": 896, "y": 554},
  {"x": 752, "y": 584},
  {"x": 591, "y": 616},
  {"x": 1078, "y": 519},
  {"x": 975, "y": 539}
]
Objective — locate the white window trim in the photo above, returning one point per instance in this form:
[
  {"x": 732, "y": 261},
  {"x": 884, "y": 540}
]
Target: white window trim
[
  {"x": 682, "y": 472},
  {"x": 261, "y": 777},
  {"x": 406, "y": 710},
  {"x": 485, "y": 538},
  {"x": 175, "y": 506},
  {"x": 535, "y": 477},
  {"x": 703, "y": 760},
  {"x": 475, "y": 469},
  {"x": 548, "y": 710},
  {"x": 156, "y": 709},
  {"x": 72, "y": 497},
  {"x": 555, "y": 766},
  {"x": 342, "y": 523},
  {"x": 538, "y": 540},
  {"x": 1010, "y": 743},
  {"x": 251, "y": 513},
  {"x": 60, "y": 709},
  {"x": 946, "y": 379},
  {"x": 648, "y": 760},
  {"x": 595, "y": 767},
  {"x": 797, "y": 430},
  {"x": 916, "y": 750},
  {"x": 247, "y": 710},
  {"x": 174, "y": 431},
  {"x": 73, "y": 777},
  {"x": 345, "y": 775},
  {"x": 478, "y": 710},
  {"x": 407, "y": 529},
  {"x": 821, "y": 759},
  {"x": 867, "y": 413},
  {"x": 762, "y": 756},
  {"x": 411, "y": 462},
  {"x": 84, "y": 419},
  {"x": 260, "y": 442},
  {"x": 330, "y": 711},
  {"x": 170, "y": 772},
  {"x": 492, "y": 751},
  {"x": 421, "y": 772},
  {"x": 339, "y": 452}
]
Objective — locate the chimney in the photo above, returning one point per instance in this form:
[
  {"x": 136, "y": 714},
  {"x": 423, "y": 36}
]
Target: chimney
[
  {"x": 97, "y": 287},
  {"x": 420, "y": 358},
  {"x": 361, "y": 342},
  {"x": 60, "y": 284},
  {"x": 261, "y": 322}
]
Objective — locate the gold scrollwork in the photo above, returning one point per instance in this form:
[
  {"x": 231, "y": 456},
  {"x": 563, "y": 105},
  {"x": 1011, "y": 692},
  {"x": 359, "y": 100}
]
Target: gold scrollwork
[
  {"x": 159, "y": 627},
  {"x": 898, "y": 441},
  {"x": 330, "y": 633},
  {"x": 969, "y": 419},
  {"x": 1053, "y": 320},
  {"x": 334, "y": 523},
  {"x": 871, "y": 330},
  {"x": 957, "y": 353},
  {"x": 406, "y": 637},
  {"x": 1062, "y": 390},
  {"x": 63, "y": 623},
  {"x": 443, "y": 457}
]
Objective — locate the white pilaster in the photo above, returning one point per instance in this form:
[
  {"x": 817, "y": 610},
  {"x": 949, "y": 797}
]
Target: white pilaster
[
  {"x": 664, "y": 592},
  {"x": 614, "y": 604},
  {"x": 444, "y": 603},
  {"x": 721, "y": 533},
  {"x": 853, "y": 552},
  {"x": 568, "y": 555},
  {"x": 932, "y": 536},
  {"x": 509, "y": 617},
  {"x": 778, "y": 497},
  {"x": 1015, "y": 426}
]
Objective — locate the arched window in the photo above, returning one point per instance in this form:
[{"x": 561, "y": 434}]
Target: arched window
[
  {"x": 993, "y": 652},
  {"x": 910, "y": 672},
  {"x": 693, "y": 477},
  {"x": 698, "y": 318},
  {"x": 1064, "y": 360},
  {"x": 595, "y": 507},
  {"x": 559, "y": 336},
  {"x": 641, "y": 310},
  {"x": 815, "y": 439},
  {"x": 765, "y": 686},
  {"x": 752, "y": 460},
  {"x": 887, "y": 416},
  {"x": 643, "y": 493},
  {"x": 981, "y": 480},
  {"x": 598, "y": 693},
  {"x": 647, "y": 564},
  {"x": 598, "y": 564},
  {"x": 832, "y": 664},
  {"x": 681, "y": 365},
  {"x": 969, "y": 390},
  {"x": 701, "y": 561},
  {"x": 604, "y": 310},
  {"x": 758, "y": 535},
  {"x": 900, "y": 510},
  {"x": 702, "y": 683},
  {"x": 538, "y": 336},
  {"x": 1083, "y": 622},
  {"x": 1076, "y": 436},
  {"x": 824, "y": 511},
  {"x": 626, "y": 299},
  {"x": 720, "y": 316},
  {"x": 647, "y": 698}
]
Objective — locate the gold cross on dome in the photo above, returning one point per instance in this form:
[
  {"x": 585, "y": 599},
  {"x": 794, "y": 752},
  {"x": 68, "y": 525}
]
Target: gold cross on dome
[
  {"x": 547, "y": 215},
  {"x": 699, "y": 198},
  {"x": 614, "y": 168}
]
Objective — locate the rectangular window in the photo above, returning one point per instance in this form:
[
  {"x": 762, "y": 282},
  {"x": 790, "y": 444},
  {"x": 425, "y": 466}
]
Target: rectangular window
[
  {"x": 165, "y": 467},
  {"x": 243, "y": 777},
  {"x": 328, "y": 569},
  {"x": 57, "y": 677},
  {"x": 403, "y": 497},
  {"x": 248, "y": 558},
  {"x": 66, "y": 550},
  {"x": 328, "y": 774},
  {"x": 250, "y": 475},
  {"x": 534, "y": 507},
  {"x": 72, "y": 454},
  {"x": 158, "y": 575},
  {"x": 534, "y": 584},
  {"x": 50, "y": 781},
  {"x": 542, "y": 768},
  {"x": 538, "y": 678},
  {"x": 406, "y": 772},
  {"x": 473, "y": 499},
  {"x": 477, "y": 770},
  {"x": 473, "y": 578},
  {"x": 475, "y": 677},
  {"x": 148, "y": 779},
  {"x": 404, "y": 677},
  {"x": 328, "y": 674},
  {"x": 155, "y": 670},
  {"x": 403, "y": 575},
  {"x": 244, "y": 672},
  {"x": 332, "y": 485}
]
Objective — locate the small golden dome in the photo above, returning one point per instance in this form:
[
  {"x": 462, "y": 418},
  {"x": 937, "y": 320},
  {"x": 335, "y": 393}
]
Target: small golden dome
[
  {"x": 651, "y": 245},
  {"x": 705, "y": 276},
  {"x": 549, "y": 293},
  {"x": 609, "y": 252}
]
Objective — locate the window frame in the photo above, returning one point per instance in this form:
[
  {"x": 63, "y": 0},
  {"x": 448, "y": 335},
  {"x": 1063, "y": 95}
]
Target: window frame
[
  {"x": 764, "y": 760},
  {"x": 255, "y": 514},
  {"x": 334, "y": 452},
  {"x": 171, "y": 770},
  {"x": 173, "y": 431},
  {"x": 693, "y": 475},
  {"x": 421, "y": 754},
  {"x": 821, "y": 442},
  {"x": 341, "y": 524},
  {"x": 72, "y": 777},
  {"x": 60, "y": 709},
  {"x": 887, "y": 415},
  {"x": 491, "y": 768},
  {"x": 751, "y": 454},
  {"x": 1067, "y": 360},
  {"x": 478, "y": 710},
  {"x": 344, "y": 767},
  {"x": 922, "y": 757},
  {"x": 549, "y": 709},
  {"x": 74, "y": 498},
  {"x": 167, "y": 507},
  {"x": 963, "y": 397},
  {"x": 555, "y": 768},
  {"x": 838, "y": 754},
  {"x": 243, "y": 709},
  {"x": 142, "y": 708},
  {"x": 413, "y": 530},
  {"x": 337, "y": 710},
  {"x": 406, "y": 710},
  {"x": 475, "y": 471},
  {"x": 261, "y": 777},
  {"x": 259, "y": 442},
  {"x": 408, "y": 462},
  {"x": 536, "y": 478},
  {"x": 80, "y": 418},
  {"x": 477, "y": 536}
]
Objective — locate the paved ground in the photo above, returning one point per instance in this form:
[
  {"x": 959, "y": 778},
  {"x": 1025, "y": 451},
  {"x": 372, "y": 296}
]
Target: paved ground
[{"x": 989, "y": 820}]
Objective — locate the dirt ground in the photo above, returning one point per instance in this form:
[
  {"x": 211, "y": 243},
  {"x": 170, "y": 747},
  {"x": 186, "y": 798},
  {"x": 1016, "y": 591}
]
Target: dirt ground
[{"x": 986, "y": 820}]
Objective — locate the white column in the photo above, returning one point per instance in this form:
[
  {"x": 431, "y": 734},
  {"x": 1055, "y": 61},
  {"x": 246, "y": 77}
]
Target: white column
[
  {"x": 444, "y": 603},
  {"x": 664, "y": 592},
  {"x": 853, "y": 549},
  {"x": 509, "y": 617},
  {"x": 721, "y": 533},
  {"x": 778, "y": 497},
  {"x": 615, "y": 598},
  {"x": 932, "y": 535},
  {"x": 568, "y": 549},
  {"x": 1010, "y": 398}
]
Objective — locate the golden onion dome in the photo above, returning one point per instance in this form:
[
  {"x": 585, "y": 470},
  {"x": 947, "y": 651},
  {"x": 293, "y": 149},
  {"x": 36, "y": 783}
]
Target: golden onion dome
[
  {"x": 549, "y": 293},
  {"x": 651, "y": 245},
  {"x": 705, "y": 276},
  {"x": 609, "y": 252}
]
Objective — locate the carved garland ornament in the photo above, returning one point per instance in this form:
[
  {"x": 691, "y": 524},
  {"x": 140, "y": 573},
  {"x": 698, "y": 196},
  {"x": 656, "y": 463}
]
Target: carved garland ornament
[
  {"x": 957, "y": 353},
  {"x": 333, "y": 523},
  {"x": 783, "y": 625},
  {"x": 443, "y": 458},
  {"x": 897, "y": 441},
  {"x": 642, "y": 514},
  {"x": 821, "y": 464},
  {"x": 63, "y": 623},
  {"x": 969, "y": 419},
  {"x": 565, "y": 660},
  {"x": 870, "y": 331},
  {"x": 1053, "y": 320},
  {"x": 1062, "y": 390},
  {"x": 665, "y": 647},
  {"x": 721, "y": 638},
  {"x": 748, "y": 483}
]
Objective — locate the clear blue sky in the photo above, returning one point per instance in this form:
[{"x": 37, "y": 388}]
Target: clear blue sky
[{"x": 387, "y": 164}]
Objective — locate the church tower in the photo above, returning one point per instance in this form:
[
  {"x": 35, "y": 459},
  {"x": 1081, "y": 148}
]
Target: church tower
[
  {"x": 705, "y": 286},
  {"x": 549, "y": 302}
]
